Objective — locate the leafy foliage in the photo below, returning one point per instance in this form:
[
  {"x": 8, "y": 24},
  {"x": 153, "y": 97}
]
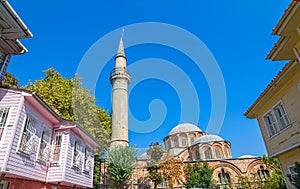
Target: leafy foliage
[
  {"x": 275, "y": 180},
  {"x": 295, "y": 179},
  {"x": 10, "y": 81},
  {"x": 198, "y": 175},
  {"x": 121, "y": 163},
  {"x": 155, "y": 153},
  {"x": 172, "y": 169}
]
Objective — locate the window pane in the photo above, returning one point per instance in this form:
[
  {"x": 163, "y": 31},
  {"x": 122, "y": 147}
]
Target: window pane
[
  {"x": 207, "y": 153},
  {"x": 183, "y": 141},
  {"x": 56, "y": 150},
  {"x": 270, "y": 124},
  {"x": 87, "y": 159},
  {"x": 27, "y": 137},
  {"x": 218, "y": 153},
  {"x": 44, "y": 145},
  {"x": 281, "y": 116},
  {"x": 77, "y": 153},
  {"x": 3, "y": 116}
]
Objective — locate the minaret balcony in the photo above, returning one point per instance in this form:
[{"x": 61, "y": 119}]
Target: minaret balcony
[{"x": 120, "y": 73}]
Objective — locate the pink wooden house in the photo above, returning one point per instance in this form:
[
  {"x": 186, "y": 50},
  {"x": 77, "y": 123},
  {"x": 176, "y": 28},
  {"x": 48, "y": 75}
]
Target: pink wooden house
[{"x": 38, "y": 149}]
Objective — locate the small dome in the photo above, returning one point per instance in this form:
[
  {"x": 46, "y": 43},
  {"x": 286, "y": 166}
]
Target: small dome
[
  {"x": 144, "y": 156},
  {"x": 208, "y": 138},
  {"x": 247, "y": 156},
  {"x": 184, "y": 128}
]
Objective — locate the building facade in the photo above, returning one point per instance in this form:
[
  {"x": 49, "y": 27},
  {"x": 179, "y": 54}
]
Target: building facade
[
  {"x": 11, "y": 30},
  {"x": 38, "y": 149},
  {"x": 277, "y": 109}
]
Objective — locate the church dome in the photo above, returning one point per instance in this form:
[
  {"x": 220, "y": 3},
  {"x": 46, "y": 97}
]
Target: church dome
[
  {"x": 248, "y": 156},
  {"x": 184, "y": 128},
  {"x": 208, "y": 138},
  {"x": 144, "y": 156}
]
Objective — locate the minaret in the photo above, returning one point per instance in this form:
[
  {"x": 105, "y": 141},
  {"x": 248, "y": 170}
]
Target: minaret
[{"x": 119, "y": 79}]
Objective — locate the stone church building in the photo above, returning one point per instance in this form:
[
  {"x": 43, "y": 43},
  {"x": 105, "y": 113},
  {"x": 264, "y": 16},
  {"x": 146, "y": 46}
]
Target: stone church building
[{"x": 188, "y": 142}]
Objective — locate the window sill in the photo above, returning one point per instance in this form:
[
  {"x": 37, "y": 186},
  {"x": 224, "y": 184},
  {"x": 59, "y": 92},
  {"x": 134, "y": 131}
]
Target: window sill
[
  {"x": 54, "y": 164},
  {"x": 20, "y": 152},
  {"x": 280, "y": 131},
  {"x": 40, "y": 161}
]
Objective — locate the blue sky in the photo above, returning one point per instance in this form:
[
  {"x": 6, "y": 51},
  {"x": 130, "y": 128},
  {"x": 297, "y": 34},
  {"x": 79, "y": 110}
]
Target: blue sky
[{"x": 238, "y": 34}]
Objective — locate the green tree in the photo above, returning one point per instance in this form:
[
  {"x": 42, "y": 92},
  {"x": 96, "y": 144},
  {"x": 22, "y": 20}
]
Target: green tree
[
  {"x": 121, "y": 163},
  {"x": 155, "y": 153},
  {"x": 295, "y": 179},
  {"x": 275, "y": 180},
  {"x": 198, "y": 175},
  {"x": 10, "y": 80}
]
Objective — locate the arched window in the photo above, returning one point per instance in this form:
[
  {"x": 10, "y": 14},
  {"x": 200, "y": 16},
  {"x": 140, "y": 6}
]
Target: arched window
[
  {"x": 218, "y": 153},
  {"x": 224, "y": 177},
  {"x": 197, "y": 155},
  {"x": 227, "y": 155},
  {"x": 207, "y": 153},
  {"x": 192, "y": 139},
  {"x": 183, "y": 140},
  {"x": 169, "y": 143},
  {"x": 175, "y": 142},
  {"x": 263, "y": 173}
]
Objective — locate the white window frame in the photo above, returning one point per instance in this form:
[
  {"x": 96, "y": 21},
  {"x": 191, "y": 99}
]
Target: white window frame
[
  {"x": 44, "y": 147},
  {"x": 87, "y": 159},
  {"x": 29, "y": 133},
  {"x": 277, "y": 120},
  {"x": 56, "y": 147},
  {"x": 4, "y": 111},
  {"x": 270, "y": 123},
  {"x": 4, "y": 184},
  {"x": 77, "y": 153},
  {"x": 291, "y": 170}
]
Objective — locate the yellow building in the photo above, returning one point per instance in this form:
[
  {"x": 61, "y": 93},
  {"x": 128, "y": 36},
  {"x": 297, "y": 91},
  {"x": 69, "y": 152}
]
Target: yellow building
[{"x": 277, "y": 109}]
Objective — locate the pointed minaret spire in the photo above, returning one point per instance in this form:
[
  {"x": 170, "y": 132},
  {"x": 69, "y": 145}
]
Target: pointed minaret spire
[
  {"x": 121, "y": 51},
  {"x": 119, "y": 79}
]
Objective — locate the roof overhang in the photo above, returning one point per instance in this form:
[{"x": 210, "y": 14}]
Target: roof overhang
[
  {"x": 289, "y": 20},
  {"x": 288, "y": 29},
  {"x": 12, "y": 28},
  {"x": 80, "y": 131},
  {"x": 289, "y": 69}
]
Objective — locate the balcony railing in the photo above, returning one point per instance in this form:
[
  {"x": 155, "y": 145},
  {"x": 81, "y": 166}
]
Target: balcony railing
[{"x": 119, "y": 72}]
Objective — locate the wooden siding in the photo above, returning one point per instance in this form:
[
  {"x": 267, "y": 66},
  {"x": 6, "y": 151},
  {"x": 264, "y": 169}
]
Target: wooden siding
[
  {"x": 77, "y": 175},
  {"x": 14, "y": 162},
  {"x": 22, "y": 164},
  {"x": 14, "y": 101},
  {"x": 287, "y": 92}
]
